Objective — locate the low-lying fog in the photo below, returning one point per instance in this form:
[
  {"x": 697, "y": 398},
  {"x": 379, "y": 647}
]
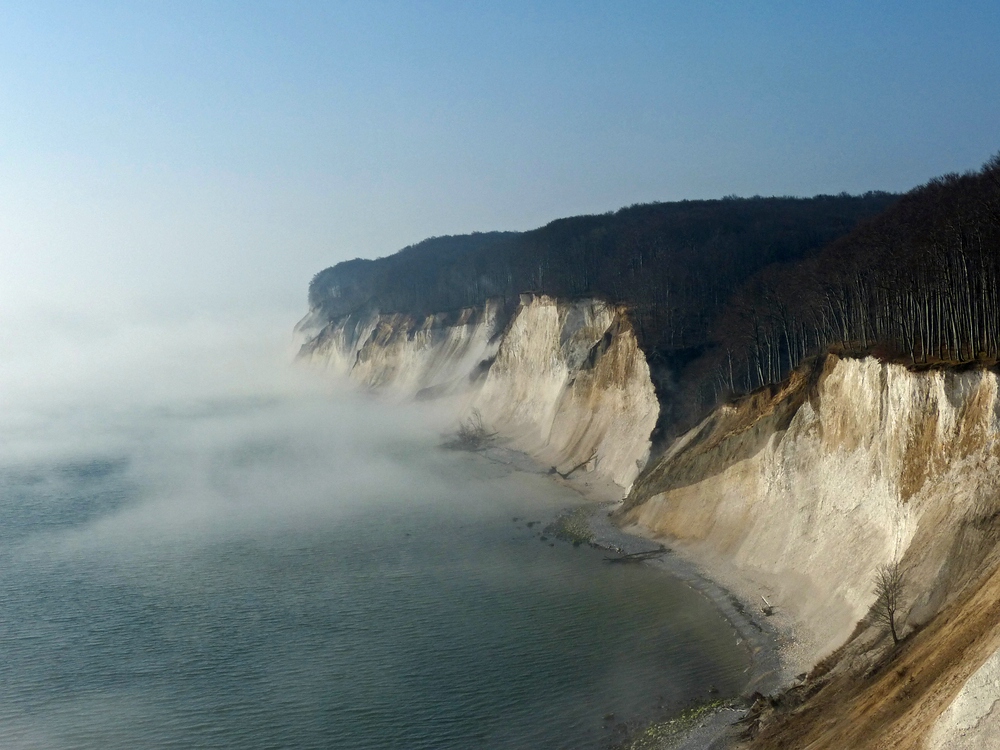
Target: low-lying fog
[
  {"x": 204, "y": 545},
  {"x": 209, "y": 419}
]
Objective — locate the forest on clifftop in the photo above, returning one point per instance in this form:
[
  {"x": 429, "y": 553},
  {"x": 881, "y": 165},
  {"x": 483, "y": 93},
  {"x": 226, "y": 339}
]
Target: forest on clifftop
[{"x": 729, "y": 295}]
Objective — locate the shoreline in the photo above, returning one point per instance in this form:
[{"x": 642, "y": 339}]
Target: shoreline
[
  {"x": 717, "y": 728},
  {"x": 762, "y": 637}
]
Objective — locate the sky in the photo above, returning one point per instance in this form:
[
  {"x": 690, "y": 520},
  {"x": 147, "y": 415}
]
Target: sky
[{"x": 167, "y": 157}]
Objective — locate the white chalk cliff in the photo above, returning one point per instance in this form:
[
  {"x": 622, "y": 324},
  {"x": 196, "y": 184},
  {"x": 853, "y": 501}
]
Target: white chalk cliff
[
  {"x": 565, "y": 382},
  {"x": 804, "y": 488}
]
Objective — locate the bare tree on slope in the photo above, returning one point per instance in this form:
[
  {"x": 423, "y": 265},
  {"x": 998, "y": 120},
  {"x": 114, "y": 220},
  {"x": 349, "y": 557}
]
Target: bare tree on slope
[{"x": 889, "y": 583}]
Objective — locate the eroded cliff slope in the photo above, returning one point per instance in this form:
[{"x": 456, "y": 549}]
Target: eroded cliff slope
[
  {"x": 563, "y": 381},
  {"x": 801, "y": 490},
  {"x": 806, "y": 488}
]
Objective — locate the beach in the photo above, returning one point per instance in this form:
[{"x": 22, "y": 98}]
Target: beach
[{"x": 772, "y": 642}]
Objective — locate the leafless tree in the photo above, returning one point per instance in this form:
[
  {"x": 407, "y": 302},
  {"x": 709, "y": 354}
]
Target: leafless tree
[{"x": 889, "y": 583}]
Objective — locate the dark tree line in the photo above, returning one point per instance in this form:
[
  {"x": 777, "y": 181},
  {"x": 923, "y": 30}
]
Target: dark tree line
[
  {"x": 729, "y": 295},
  {"x": 917, "y": 284},
  {"x": 674, "y": 265}
]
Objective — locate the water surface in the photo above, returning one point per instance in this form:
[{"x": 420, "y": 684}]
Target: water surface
[{"x": 296, "y": 572}]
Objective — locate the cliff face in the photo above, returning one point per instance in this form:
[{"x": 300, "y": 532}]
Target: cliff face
[
  {"x": 410, "y": 357},
  {"x": 808, "y": 487},
  {"x": 803, "y": 489},
  {"x": 563, "y": 381}
]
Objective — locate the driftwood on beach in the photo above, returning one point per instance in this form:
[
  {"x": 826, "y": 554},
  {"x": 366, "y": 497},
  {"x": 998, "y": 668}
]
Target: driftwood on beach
[
  {"x": 555, "y": 470},
  {"x": 648, "y": 554}
]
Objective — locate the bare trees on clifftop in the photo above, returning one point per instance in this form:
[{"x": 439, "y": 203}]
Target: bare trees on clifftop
[{"x": 919, "y": 284}]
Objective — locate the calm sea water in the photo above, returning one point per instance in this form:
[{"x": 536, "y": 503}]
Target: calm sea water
[{"x": 282, "y": 573}]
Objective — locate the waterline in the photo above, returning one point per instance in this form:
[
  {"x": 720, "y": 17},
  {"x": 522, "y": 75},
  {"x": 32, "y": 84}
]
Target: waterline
[{"x": 266, "y": 573}]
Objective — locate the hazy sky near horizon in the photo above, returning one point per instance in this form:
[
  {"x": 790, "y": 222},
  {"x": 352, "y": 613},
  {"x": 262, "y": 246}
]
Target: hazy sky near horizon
[{"x": 223, "y": 152}]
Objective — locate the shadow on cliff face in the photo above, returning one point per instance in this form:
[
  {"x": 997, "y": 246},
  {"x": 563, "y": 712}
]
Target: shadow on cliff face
[{"x": 124, "y": 432}]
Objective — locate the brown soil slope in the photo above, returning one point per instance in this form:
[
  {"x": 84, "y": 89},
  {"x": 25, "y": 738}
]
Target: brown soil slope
[{"x": 896, "y": 702}]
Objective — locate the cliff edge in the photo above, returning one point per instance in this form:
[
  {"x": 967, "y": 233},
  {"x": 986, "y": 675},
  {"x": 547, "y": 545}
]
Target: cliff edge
[
  {"x": 565, "y": 382},
  {"x": 803, "y": 490}
]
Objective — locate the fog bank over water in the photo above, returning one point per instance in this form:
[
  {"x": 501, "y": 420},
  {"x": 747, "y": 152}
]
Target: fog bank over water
[{"x": 206, "y": 415}]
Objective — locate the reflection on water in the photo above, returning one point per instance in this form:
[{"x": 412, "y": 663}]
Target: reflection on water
[{"x": 296, "y": 573}]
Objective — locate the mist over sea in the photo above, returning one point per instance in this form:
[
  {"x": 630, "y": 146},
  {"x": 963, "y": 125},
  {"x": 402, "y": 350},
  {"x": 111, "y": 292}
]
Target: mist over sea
[{"x": 202, "y": 546}]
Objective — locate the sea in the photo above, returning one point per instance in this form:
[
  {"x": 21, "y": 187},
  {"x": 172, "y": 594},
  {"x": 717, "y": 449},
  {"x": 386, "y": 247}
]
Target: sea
[{"x": 307, "y": 567}]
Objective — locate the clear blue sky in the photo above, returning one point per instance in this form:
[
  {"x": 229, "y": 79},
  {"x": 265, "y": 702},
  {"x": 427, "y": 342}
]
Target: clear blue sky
[{"x": 234, "y": 148}]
